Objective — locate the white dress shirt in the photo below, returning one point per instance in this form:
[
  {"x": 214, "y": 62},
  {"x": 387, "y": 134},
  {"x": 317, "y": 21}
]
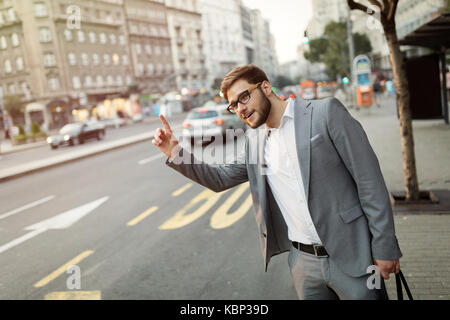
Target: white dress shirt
[{"x": 285, "y": 179}]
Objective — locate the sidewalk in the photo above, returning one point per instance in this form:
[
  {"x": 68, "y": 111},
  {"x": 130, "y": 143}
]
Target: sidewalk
[{"x": 424, "y": 238}]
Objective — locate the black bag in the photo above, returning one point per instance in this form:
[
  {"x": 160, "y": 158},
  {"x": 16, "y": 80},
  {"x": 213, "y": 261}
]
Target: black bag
[{"x": 399, "y": 279}]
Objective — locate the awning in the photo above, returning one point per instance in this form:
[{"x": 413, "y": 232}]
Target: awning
[{"x": 434, "y": 34}]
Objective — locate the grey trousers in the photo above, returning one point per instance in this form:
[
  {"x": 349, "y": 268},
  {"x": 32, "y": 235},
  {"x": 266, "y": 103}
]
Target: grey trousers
[{"x": 318, "y": 278}]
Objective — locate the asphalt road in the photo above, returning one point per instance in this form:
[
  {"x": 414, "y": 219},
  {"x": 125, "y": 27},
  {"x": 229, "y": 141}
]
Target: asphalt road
[{"x": 134, "y": 229}]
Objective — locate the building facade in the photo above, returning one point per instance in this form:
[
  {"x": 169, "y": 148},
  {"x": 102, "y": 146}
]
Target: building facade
[{"x": 185, "y": 29}]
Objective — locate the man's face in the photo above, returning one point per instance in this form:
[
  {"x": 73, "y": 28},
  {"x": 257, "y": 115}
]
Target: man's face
[{"x": 256, "y": 111}]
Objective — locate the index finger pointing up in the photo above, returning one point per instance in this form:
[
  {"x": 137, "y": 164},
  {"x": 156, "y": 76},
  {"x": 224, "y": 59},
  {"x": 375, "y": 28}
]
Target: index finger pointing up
[{"x": 165, "y": 123}]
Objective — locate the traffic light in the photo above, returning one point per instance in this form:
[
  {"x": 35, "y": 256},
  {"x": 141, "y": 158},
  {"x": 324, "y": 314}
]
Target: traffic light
[
  {"x": 305, "y": 37},
  {"x": 345, "y": 80}
]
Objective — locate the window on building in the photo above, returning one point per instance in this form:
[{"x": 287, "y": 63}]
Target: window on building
[
  {"x": 119, "y": 80},
  {"x": 99, "y": 81},
  {"x": 19, "y": 63},
  {"x": 3, "y": 43},
  {"x": 115, "y": 59},
  {"x": 151, "y": 68},
  {"x": 158, "y": 50},
  {"x": 95, "y": 59},
  {"x": 138, "y": 48},
  {"x": 11, "y": 15},
  {"x": 112, "y": 38},
  {"x": 148, "y": 49},
  {"x": 11, "y": 88},
  {"x": 45, "y": 35},
  {"x": 102, "y": 38},
  {"x": 125, "y": 60},
  {"x": 106, "y": 59},
  {"x": 122, "y": 39},
  {"x": 8, "y": 68},
  {"x": 2, "y": 21},
  {"x": 110, "y": 80},
  {"x": 140, "y": 69},
  {"x": 81, "y": 37},
  {"x": 92, "y": 37},
  {"x": 160, "y": 68},
  {"x": 72, "y": 59},
  {"x": 76, "y": 82},
  {"x": 49, "y": 60},
  {"x": 53, "y": 83},
  {"x": 68, "y": 34},
  {"x": 129, "y": 80},
  {"x": 25, "y": 89},
  {"x": 40, "y": 10},
  {"x": 88, "y": 81},
  {"x": 84, "y": 59},
  {"x": 15, "y": 40},
  {"x": 168, "y": 68}
]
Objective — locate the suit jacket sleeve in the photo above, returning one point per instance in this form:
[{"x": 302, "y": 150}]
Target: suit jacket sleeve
[
  {"x": 215, "y": 177},
  {"x": 353, "y": 146}
]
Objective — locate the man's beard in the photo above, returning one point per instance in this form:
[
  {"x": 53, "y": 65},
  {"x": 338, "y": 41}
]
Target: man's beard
[{"x": 264, "y": 111}]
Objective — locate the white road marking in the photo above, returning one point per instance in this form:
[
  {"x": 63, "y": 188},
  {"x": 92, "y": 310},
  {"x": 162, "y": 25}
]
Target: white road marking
[
  {"x": 61, "y": 221},
  {"x": 25, "y": 207},
  {"x": 145, "y": 161}
]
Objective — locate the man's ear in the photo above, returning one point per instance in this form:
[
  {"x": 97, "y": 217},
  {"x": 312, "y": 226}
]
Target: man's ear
[{"x": 267, "y": 88}]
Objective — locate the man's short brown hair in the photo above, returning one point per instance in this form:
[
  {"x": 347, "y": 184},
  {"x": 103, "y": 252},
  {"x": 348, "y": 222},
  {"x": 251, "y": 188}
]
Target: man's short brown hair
[{"x": 250, "y": 73}]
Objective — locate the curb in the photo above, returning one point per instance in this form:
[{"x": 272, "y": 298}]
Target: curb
[{"x": 53, "y": 162}]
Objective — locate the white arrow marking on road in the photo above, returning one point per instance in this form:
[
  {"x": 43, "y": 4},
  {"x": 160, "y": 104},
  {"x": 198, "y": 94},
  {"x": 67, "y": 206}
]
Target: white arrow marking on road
[
  {"x": 25, "y": 207},
  {"x": 61, "y": 221}
]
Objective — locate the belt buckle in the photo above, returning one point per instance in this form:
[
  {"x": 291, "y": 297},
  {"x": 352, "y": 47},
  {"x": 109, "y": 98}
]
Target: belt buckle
[{"x": 315, "y": 246}]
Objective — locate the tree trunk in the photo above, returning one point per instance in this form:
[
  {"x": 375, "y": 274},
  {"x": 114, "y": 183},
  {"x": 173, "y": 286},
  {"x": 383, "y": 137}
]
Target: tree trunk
[{"x": 406, "y": 129}]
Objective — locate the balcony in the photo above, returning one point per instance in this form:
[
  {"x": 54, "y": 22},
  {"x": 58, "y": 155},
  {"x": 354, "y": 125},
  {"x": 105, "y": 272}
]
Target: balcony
[{"x": 180, "y": 41}]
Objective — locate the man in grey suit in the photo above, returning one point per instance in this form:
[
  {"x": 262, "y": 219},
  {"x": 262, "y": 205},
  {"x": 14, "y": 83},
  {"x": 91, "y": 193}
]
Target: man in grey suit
[{"x": 316, "y": 186}]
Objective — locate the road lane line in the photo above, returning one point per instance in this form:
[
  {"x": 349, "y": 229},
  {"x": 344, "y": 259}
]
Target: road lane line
[
  {"x": 142, "y": 216},
  {"x": 21, "y": 239},
  {"x": 74, "y": 295},
  {"x": 183, "y": 218},
  {"x": 55, "y": 274},
  {"x": 25, "y": 207},
  {"x": 181, "y": 190},
  {"x": 222, "y": 218},
  {"x": 156, "y": 157}
]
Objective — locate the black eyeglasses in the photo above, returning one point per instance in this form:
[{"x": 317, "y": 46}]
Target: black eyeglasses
[{"x": 243, "y": 98}]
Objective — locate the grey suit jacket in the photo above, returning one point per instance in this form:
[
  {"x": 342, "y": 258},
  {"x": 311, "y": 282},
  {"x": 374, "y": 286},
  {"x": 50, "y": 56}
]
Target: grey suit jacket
[{"x": 347, "y": 196}]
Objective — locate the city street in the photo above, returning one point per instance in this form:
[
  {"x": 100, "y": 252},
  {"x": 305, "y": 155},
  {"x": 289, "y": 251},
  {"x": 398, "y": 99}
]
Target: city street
[
  {"x": 139, "y": 230},
  {"x": 190, "y": 259}
]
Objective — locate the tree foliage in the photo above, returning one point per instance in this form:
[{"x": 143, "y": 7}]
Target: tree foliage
[{"x": 332, "y": 49}]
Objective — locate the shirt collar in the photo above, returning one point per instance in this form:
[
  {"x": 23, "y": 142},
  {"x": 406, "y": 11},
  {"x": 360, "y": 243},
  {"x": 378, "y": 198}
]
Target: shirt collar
[{"x": 288, "y": 113}]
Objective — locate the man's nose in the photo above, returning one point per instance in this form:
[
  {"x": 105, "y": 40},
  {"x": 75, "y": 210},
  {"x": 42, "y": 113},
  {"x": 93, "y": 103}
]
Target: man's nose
[{"x": 241, "y": 108}]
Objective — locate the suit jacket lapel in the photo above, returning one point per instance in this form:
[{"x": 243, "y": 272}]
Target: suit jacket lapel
[{"x": 302, "y": 124}]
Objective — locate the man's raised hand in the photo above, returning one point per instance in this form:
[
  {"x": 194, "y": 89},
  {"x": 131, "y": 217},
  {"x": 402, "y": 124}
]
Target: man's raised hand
[{"x": 164, "y": 138}]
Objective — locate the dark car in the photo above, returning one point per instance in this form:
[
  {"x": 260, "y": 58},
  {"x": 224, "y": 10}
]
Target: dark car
[{"x": 77, "y": 133}]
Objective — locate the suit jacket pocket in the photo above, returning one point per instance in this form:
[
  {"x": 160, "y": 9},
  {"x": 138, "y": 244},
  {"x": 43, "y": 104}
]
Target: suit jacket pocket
[
  {"x": 316, "y": 140},
  {"x": 351, "y": 214}
]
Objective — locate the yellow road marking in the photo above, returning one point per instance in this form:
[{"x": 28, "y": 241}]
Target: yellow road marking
[
  {"x": 142, "y": 216},
  {"x": 181, "y": 190},
  {"x": 222, "y": 218},
  {"x": 181, "y": 218},
  {"x": 74, "y": 295},
  {"x": 55, "y": 274}
]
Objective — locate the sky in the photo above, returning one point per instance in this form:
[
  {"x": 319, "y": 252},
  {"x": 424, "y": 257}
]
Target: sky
[{"x": 288, "y": 19}]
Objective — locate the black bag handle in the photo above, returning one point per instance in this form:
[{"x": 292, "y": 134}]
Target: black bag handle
[{"x": 399, "y": 279}]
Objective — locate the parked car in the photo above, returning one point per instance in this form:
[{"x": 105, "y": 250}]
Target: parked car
[
  {"x": 77, "y": 133},
  {"x": 114, "y": 122},
  {"x": 324, "y": 92},
  {"x": 210, "y": 121}
]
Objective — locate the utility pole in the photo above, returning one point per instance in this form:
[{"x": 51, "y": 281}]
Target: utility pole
[{"x": 351, "y": 48}]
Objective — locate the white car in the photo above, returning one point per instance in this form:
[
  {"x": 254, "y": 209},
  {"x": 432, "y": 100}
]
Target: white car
[{"x": 210, "y": 121}]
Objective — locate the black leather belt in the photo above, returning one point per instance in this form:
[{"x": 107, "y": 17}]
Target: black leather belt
[{"x": 314, "y": 249}]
